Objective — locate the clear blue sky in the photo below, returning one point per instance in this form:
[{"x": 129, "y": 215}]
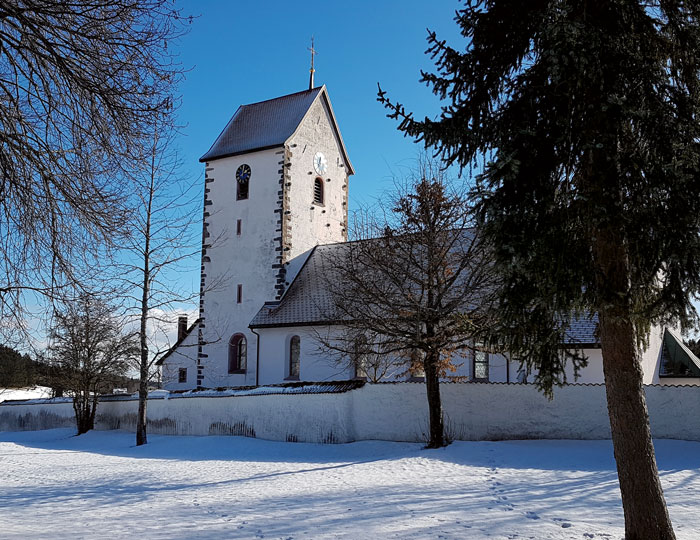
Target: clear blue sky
[{"x": 240, "y": 52}]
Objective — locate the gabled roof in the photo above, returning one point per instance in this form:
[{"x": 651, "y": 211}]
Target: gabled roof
[
  {"x": 162, "y": 359},
  {"x": 677, "y": 360},
  {"x": 269, "y": 124},
  {"x": 309, "y": 302}
]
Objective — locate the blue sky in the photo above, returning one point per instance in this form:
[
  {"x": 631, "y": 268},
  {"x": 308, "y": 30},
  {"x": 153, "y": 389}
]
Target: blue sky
[{"x": 240, "y": 52}]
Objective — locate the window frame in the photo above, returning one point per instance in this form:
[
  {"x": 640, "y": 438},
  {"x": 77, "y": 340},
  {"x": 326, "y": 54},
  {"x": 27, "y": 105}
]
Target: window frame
[
  {"x": 294, "y": 365},
  {"x": 484, "y": 362},
  {"x": 237, "y": 353}
]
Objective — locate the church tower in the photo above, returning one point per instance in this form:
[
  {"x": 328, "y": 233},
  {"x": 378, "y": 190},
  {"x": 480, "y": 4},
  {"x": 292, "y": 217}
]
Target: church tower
[{"x": 276, "y": 185}]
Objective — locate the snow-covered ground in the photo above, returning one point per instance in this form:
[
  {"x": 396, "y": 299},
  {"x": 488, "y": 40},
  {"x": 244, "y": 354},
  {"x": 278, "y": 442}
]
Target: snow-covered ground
[
  {"x": 35, "y": 392},
  {"x": 99, "y": 485}
]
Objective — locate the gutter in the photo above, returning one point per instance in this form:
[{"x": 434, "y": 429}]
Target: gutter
[{"x": 257, "y": 357}]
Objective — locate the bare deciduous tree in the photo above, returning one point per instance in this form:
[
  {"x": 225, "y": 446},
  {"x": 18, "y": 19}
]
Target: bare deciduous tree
[
  {"x": 81, "y": 85},
  {"x": 164, "y": 243},
  {"x": 88, "y": 351},
  {"x": 412, "y": 285}
]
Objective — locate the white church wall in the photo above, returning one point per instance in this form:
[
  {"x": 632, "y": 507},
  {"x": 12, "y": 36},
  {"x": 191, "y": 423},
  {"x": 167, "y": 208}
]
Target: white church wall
[
  {"x": 592, "y": 373},
  {"x": 246, "y": 259},
  {"x": 183, "y": 357},
  {"x": 315, "y": 364},
  {"x": 311, "y": 224},
  {"x": 473, "y": 411}
]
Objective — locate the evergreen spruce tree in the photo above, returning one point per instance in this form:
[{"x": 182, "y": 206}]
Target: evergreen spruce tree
[{"x": 586, "y": 116}]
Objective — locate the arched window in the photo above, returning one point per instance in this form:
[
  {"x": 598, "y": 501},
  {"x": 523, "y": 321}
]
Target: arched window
[
  {"x": 237, "y": 353},
  {"x": 294, "y": 352},
  {"x": 242, "y": 178},
  {"x": 318, "y": 191},
  {"x": 241, "y": 190}
]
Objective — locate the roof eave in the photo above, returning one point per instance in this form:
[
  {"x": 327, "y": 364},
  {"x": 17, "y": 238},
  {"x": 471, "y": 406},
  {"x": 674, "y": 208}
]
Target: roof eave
[{"x": 206, "y": 158}]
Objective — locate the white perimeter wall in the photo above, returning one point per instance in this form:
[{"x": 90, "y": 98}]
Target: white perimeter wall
[{"x": 398, "y": 412}]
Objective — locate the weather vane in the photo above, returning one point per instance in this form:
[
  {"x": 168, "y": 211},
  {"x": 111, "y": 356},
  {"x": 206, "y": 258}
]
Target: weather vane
[{"x": 312, "y": 70}]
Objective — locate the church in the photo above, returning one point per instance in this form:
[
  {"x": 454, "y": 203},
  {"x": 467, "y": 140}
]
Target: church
[{"x": 275, "y": 207}]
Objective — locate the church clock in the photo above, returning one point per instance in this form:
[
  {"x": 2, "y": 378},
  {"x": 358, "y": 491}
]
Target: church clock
[
  {"x": 320, "y": 163},
  {"x": 243, "y": 173}
]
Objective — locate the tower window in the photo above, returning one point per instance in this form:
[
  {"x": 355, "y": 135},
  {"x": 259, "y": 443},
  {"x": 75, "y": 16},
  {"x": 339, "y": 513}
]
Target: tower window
[
  {"x": 294, "y": 353},
  {"x": 182, "y": 375},
  {"x": 318, "y": 191},
  {"x": 237, "y": 353},
  {"x": 239, "y": 294},
  {"x": 238, "y": 227}
]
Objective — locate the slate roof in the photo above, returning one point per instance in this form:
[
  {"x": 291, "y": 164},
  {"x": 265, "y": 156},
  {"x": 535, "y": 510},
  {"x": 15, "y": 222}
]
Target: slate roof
[
  {"x": 266, "y": 124},
  {"x": 307, "y": 302},
  {"x": 269, "y": 124},
  {"x": 582, "y": 331}
]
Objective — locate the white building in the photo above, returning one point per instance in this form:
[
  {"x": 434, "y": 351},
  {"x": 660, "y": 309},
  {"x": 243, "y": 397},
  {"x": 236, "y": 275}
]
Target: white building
[{"x": 275, "y": 208}]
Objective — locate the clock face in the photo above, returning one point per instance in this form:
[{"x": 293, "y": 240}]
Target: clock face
[
  {"x": 243, "y": 173},
  {"x": 320, "y": 163}
]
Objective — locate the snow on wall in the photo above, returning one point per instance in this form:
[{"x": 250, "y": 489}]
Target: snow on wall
[{"x": 397, "y": 412}]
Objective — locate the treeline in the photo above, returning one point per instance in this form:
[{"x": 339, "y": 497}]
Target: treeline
[{"x": 20, "y": 371}]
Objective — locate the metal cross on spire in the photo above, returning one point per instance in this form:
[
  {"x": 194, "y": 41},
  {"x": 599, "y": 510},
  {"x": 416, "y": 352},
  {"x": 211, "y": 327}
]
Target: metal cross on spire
[{"x": 312, "y": 70}]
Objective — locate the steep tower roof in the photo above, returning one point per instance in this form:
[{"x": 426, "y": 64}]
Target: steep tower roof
[{"x": 269, "y": 124}]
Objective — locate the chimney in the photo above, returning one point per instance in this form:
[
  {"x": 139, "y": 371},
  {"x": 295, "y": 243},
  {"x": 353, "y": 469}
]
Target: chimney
[{"x": 181, "y": 327}]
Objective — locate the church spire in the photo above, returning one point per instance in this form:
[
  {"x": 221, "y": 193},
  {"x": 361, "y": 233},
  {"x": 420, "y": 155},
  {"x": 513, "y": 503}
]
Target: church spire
[{"x": 312, "y": 70}]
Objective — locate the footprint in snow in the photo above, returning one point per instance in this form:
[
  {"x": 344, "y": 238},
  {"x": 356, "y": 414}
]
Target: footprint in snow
[
  {"x": 564, "y": 523},
  {"x": 531, "y": 515}
]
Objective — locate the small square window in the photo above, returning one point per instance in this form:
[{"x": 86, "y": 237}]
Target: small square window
[{"x": 182, "y": 375}]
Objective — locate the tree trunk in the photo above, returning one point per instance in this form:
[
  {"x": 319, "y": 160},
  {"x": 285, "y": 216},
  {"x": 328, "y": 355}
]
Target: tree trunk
[
  {"x": 646, "y": 515},
  {"x": 432, "y": 387},
  {"x": 141, "y": 420},
  {"x": 82, "y": 414},
  {"x": 141, "y": 437}
]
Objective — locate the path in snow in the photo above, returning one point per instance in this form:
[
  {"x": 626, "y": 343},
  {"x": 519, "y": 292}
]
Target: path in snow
[{"x": 99, "y": 485}]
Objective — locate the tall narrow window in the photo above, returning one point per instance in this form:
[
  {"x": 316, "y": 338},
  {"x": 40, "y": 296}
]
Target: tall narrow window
[
  {"x": 294, "y": 351},
  {"x": 239, "y": 294},
  {"x": 182, "y": 375},
  {"x": 238, "y": 227},
  {"x": 360, "y": 354},
  {"x": 481, "y": 366},
  {"x": 242, "y": 180},
  {"x": 318, "y": 191},
  {"x": 237, "y": 353}
]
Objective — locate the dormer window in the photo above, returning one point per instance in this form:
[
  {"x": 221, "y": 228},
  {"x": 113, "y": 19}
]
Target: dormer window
[
  {"x": 318, "y": 191},
  {"x": 242, "y": 179}
]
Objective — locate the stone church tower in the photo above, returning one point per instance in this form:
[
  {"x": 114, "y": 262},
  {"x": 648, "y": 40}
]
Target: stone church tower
[{"x": 276, "y": 185}]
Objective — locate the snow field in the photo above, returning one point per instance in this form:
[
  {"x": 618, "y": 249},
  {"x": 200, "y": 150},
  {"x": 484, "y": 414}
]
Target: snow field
[{"x": 55, "y": 485}]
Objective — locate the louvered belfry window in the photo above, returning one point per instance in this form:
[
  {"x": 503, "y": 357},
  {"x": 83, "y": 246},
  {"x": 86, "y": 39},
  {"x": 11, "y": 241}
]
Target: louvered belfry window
[{"x": 318, "y": 191}]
